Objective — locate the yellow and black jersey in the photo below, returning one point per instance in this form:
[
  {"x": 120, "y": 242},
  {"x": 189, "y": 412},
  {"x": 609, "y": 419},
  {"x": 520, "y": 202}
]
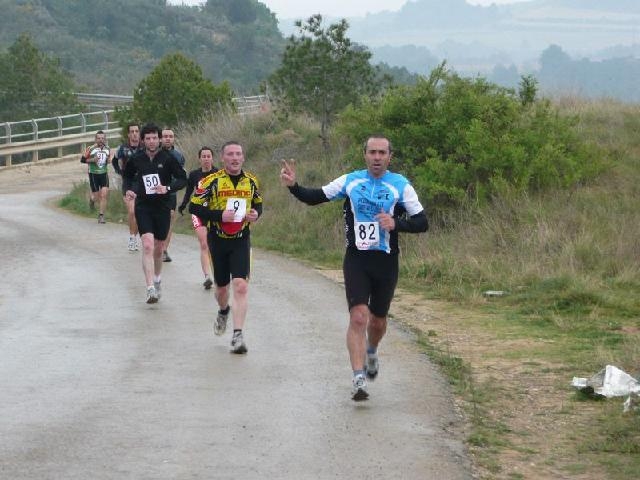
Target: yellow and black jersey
[{"x": 221, "y": 191}]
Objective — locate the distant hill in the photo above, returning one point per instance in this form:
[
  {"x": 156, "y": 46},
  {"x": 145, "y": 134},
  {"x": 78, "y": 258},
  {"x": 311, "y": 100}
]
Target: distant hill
[
  {"x": 477, "y": 40},
  {"x": 472, "y": 37},
  {"x": 520, "y": 28},
  {"x": 109, "y": 46}
]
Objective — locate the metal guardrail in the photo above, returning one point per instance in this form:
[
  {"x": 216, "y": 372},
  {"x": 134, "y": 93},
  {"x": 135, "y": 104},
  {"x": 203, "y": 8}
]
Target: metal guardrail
[
  {"x": 255, "y": 104},
  {"x": 244, "y": 105},
  {"x": 55, "y": 133},
  {"x": 103, "y": 101},
  {"x": 39, "y": 134}
]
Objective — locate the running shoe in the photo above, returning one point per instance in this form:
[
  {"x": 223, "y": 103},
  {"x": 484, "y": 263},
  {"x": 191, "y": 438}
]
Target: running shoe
[
  {"x": 101, "y": 218},
  {"x": 165, "y": 256},
  {"x": 237, "y": 343},
  {"x": 132, "y": 244},
  {"x": 207, "y": 283},
  {"x": 359, "y": 389},
  {"x": 158, "y": 288},
  {"x": 220, "y": 323},
  {"x": 371, "y": 366},
  {"x": 152, "y": 295}
]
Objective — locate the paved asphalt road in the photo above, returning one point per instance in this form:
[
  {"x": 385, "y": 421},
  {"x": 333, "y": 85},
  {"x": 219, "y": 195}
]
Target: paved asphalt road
[{"x": 96, "y": 384}]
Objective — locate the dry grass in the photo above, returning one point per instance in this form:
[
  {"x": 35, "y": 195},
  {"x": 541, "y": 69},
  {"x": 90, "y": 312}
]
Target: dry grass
[{"x": 570, "y": 261}]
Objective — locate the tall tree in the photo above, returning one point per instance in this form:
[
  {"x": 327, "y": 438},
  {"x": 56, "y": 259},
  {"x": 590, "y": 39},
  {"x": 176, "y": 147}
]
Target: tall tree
[
  {"x": 176, "y": 92},
  {"x": 32, "y": 84},
  {"x": 322, "y": 72}
]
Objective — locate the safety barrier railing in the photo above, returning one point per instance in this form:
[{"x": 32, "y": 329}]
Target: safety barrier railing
[
  {"x": 30, "y": 139},
  {"x": 244, "y": 105},
  {"x": 53, "y": 134},
  {"x": 249, "y": 105}
]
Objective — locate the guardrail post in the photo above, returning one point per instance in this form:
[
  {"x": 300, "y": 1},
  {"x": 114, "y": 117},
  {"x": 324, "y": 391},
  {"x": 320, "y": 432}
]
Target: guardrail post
[
  {"x": 83, "y": 129},
  {"x": 7, "y": 129},
  {"x": 34, "y": 157},
  {"x": 60, "y": 149}
]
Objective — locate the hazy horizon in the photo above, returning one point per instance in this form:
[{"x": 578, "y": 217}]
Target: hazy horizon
[{"x": 288, "y": 9}]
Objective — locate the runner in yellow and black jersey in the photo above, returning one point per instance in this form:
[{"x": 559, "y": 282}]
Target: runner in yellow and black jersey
[
  {"x": 221, "y": 192},
  {"x": 229, "y": 200}
]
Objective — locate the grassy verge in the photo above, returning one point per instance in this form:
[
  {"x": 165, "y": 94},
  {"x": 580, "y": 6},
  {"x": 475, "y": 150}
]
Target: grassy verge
[{"x": 569, "y": 262}]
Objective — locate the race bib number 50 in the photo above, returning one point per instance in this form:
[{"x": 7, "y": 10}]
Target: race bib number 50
[
  {"x": 151, "y": 182},
  {"x": 367, "y": 235}
]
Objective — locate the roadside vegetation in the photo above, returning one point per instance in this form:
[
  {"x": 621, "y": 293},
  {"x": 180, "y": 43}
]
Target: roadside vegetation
[{"x": 566, "y": 256}]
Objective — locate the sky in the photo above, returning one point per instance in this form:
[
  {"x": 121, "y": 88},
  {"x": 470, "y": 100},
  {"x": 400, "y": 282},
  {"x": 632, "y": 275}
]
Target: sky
[{"x": 337, "y": 8}]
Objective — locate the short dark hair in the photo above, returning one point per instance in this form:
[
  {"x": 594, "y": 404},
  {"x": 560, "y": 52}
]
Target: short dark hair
[
  {"x": 378, "y": 136},
  {"x": 205, "y": 148},
  {"x": 150, "y": 128},
  {"x": 100, "y": 132},
  {"x": 132, "y": 124},
  {"x": 230, "y": 142}
]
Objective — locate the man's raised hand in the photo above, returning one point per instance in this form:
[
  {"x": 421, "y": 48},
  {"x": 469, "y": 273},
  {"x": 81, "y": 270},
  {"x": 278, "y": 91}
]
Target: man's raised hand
[{"x": 288, "y": 172}]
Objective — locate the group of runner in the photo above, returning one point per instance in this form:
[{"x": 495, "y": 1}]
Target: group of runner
[{"x": 224, "y": 202}]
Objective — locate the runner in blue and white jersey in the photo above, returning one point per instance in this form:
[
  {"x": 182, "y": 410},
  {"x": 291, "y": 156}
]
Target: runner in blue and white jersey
[{"x": 377, "y": 205}]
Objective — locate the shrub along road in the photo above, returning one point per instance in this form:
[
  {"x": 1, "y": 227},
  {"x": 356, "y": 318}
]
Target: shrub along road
[{"x": 97, "y": 384}]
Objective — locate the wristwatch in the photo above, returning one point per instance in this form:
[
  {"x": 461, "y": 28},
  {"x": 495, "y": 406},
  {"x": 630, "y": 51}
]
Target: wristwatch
[{"x": 168, "y": 188}]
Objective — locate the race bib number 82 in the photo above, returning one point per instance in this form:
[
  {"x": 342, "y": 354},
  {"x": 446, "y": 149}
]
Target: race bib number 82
[{"x": 367, "y": 235}]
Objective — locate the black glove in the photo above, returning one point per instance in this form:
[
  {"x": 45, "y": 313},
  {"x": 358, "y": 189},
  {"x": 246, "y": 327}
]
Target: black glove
[{"x": 181, "y": 209}]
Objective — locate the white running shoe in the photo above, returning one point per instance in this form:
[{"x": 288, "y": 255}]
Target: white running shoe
[
  {"x": 157, "y": 285},
  {"x": 237, "y": 343},
  {"x": 220, "y": 323},
  {"x": 152, "y": 295},
  {"x": 371, "y": 366},
  {"x": 132, "y": 244},
  {"x": 359, "y": 389}
]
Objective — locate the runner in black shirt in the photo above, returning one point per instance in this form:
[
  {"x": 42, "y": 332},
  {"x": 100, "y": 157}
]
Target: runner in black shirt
[
  {"x": 149, "y": 177},
  {"x": 119, "y": 162}
]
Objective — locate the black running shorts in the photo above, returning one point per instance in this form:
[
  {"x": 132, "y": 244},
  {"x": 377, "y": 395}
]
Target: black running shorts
[
  {"x": 98, "y": 181},
  {"x": 231, "y": 258},
  {"x": 370, "y": 278},
  {"x": 154, "y": 219}
]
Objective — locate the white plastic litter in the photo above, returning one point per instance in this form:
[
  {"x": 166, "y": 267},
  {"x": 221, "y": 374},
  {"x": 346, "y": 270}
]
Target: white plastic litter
[
  {"x": 494, "y": 293},
  {"x": 609, "y": 382}
]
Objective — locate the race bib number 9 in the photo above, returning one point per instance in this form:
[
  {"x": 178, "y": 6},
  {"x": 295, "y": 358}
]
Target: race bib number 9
[
  {"x": 239, "y": 206},
  {"x": 367, "y": 235},
  {"x": 151, "y": 182}
]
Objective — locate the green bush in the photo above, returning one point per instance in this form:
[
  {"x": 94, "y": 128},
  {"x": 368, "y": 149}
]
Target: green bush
[
  {"x": 464, "y": 139},
  {"x": 176, "y": 93}
]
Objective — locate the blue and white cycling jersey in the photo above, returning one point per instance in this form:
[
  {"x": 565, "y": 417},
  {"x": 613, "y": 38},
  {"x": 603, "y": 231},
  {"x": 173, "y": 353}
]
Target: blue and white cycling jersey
[{"x": 365, "y": 197}]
